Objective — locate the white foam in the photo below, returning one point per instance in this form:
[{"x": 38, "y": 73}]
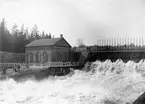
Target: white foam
[{"x": 116, "y": 82}]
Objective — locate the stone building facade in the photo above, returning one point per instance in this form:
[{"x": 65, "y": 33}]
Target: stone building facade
[{"x": 48, "y": 50}]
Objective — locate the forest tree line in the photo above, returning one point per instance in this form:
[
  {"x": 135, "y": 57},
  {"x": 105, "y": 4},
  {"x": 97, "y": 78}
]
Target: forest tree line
[{"x": 15, "y": 40}]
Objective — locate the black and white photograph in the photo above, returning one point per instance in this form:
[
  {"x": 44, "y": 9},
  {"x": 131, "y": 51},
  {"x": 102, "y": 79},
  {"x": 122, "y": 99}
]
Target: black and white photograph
[{"x": 72, "y": 51}]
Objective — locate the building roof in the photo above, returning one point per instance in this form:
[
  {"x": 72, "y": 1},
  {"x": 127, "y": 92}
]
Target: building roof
[{"x": 49, "y": 42}]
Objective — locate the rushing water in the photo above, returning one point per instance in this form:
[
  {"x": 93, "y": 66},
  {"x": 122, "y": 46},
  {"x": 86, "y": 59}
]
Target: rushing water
[{"x": 106, "y": 83}]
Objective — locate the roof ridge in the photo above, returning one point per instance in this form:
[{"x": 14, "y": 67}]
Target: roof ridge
[
  {"x": 47, "y": 38},
  {"x": 47, "y": 41}
]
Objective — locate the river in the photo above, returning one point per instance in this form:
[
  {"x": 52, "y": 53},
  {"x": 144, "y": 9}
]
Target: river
[{"x": 106, "y": 83}]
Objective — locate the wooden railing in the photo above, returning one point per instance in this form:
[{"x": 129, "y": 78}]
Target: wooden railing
[
  {"x": 57, "y": 64},
  {"x": 61, "y": 64},
  {"x": 47, "y": 64}
]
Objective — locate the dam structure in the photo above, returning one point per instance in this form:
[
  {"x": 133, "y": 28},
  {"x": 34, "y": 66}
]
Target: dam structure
[
  {"x": 116, "y": 48},
  {"x": 58, "y": 60}
]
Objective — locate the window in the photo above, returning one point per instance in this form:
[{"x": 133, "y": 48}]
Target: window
[
  {"x": 45, "y": 57},
  {"x": 58, "y": 56},
  {"x": 62, "y": 58},
  {"x": 66, "y": 56},
  {"x": 31, "y": 57},
  {"x": 37, "y": 57}
]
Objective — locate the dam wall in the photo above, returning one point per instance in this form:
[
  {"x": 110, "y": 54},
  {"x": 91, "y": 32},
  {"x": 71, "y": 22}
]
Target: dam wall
[
  {"x": 113, "y": 56},
  {"x": 114, "y": 48}
]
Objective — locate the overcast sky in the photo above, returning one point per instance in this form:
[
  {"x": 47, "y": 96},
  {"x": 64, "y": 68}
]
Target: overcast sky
[{"x": 85, "y": 19}]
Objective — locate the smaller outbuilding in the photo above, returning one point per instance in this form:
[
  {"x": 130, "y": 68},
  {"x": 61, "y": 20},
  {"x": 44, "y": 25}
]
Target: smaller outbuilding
[{"x": 48, "y": 50}]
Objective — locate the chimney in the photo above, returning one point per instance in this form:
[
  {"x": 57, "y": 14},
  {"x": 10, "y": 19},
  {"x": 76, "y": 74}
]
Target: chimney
[{"x": 61, "y": 35}]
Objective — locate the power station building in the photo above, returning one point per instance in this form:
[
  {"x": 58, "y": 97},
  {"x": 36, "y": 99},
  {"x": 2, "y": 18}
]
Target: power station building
[{"x": 48, "y": 50}]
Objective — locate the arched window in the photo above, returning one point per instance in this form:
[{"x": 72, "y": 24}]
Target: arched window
[
  {"x": 31, "y": 57},
  {"x": 58, "y": 56},
  {"x": 37, "y": 57},
  {"x": 62, "y": 56},
  {"x": 45, "y": 57},
  {"x": 66, "y": 56}
]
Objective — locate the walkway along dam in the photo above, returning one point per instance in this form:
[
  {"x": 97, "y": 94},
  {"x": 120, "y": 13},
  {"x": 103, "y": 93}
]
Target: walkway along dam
[{"x": 113, "y": 49}]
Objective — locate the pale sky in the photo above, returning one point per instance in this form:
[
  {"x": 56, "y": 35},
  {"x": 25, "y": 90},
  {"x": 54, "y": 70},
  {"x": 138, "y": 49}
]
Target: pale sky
[{"x": 85, "y": 19}]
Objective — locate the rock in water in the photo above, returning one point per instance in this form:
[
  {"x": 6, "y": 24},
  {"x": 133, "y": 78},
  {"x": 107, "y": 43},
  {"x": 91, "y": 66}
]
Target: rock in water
[{"x": 140, "y": 99}]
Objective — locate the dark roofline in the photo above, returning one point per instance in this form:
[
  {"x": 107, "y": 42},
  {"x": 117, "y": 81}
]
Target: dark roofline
[
  {"x": 49, "y": 45},
  {"x": 38, "y": 46},
  {"x": 46, "y": 46},
  {"x": 40, "y": 40}
]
